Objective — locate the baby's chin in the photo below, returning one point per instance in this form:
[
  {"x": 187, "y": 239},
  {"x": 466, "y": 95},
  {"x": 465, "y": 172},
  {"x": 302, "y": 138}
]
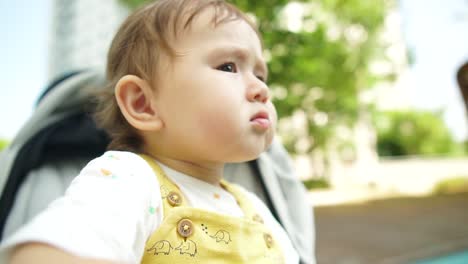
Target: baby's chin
[
  {"x": 244, "y": 159},
  {"x": 252, "y": 155}
]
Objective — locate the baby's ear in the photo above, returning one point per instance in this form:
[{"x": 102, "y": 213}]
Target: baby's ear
[{"x": 134, "y": 97}]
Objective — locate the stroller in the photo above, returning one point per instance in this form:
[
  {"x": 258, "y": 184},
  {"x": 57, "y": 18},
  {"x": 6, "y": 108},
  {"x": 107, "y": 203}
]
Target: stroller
[{"x": 61, "y": 137}]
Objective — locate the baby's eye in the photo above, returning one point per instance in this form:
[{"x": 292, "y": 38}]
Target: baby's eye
[{"x": 228, "y": 67}]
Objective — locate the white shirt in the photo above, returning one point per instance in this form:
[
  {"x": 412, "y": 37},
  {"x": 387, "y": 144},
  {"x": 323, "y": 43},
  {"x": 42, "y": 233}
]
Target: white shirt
[{"x": 113, "y": 206}]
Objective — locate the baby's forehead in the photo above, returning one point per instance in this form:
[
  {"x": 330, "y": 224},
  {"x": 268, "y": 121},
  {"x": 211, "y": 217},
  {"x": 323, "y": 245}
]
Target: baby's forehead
[{"x": 209, "y": 15}]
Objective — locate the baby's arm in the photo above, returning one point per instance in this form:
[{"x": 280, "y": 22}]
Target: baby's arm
[
  {"x": 40, "y": 253},
  {"x": 107, "y": 213}
]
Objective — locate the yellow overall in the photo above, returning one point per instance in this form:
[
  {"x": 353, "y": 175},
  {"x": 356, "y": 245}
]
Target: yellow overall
[{"x": 191, "y": 235}]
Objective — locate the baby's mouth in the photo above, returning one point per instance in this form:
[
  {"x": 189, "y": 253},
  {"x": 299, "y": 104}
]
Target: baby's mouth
[{"x": 261, "y": 120}]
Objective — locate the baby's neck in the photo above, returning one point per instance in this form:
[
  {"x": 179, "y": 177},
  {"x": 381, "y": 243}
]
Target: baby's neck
[{"x": 209, "y": 172}]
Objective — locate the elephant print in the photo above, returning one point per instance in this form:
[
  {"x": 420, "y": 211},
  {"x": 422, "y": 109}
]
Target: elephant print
[
  {"x": 187, "y": 247},
  {"x": 164, "y": 191},
  {"x": 162, "y": 246},
  {"x": 222, "y": 235}
]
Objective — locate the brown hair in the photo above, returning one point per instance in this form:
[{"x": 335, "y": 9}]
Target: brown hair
[{"x": 137, "y": 48}]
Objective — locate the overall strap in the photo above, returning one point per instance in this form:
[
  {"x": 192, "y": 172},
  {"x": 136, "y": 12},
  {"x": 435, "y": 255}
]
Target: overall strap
[
  {"x": 244, "y": 203},
  {"x": 171, "y": 195}
]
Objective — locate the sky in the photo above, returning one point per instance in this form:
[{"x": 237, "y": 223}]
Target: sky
[
  {"x": 24, "y": 27},
  {"x": 435, "y": 30},
  {"x": 436, "y": 33}
]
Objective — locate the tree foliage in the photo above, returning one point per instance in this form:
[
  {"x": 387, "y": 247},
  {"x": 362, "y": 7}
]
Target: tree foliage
[
  {"x": 413, "y": 133},
  {"x": 3, "y": 144},
  {"x": 320, "y": 67}
]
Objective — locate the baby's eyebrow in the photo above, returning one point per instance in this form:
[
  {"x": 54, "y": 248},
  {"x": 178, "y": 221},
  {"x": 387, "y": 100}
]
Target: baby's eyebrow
[{"x": 240, "y": 53}]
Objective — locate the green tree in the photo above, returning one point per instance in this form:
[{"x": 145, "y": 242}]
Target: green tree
[
  {"x": 413, "y": 133},
  {"x": 3, "y": 144},
  {"x": 320, "y": 67}
]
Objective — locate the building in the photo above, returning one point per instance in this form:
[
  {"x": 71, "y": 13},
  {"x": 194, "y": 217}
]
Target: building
[{"x": 81, "y": 33}]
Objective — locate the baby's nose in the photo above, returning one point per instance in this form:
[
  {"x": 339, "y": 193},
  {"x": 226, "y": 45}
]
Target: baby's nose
[{"x": 258, "y": 92}]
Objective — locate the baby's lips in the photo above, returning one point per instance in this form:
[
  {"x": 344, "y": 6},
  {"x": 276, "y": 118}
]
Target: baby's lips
[
  {"x": 260, "y": 115},
  {"x": 261, "y": 120}
]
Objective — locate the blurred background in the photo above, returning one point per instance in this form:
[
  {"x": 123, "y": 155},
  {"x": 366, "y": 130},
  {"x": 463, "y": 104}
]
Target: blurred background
[{"x": 370, "y": 97}]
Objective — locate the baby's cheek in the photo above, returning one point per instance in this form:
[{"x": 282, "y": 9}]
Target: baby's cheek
[
  {"x": 217, "y": 127},
  {"x": 269, "y": 138},
  {"x": 273, "y": 115},
  {"x": 274, "y": 120}
]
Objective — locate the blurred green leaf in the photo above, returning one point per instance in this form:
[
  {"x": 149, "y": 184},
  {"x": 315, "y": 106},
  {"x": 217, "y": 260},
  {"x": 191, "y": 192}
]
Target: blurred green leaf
[
  {"x": 452, "y": 185},
  {"x": 3, "y": 143},
  {"x": 313, "y": 184},
  {"x": 414, "y": 133}
]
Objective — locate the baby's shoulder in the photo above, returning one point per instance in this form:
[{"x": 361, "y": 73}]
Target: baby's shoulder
[
  {"x": 121, "y": 162},
  {"x": 120, "y": 168}
]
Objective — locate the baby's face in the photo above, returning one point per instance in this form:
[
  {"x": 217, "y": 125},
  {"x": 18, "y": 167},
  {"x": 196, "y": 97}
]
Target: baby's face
[{"x": 214, "y": 100}]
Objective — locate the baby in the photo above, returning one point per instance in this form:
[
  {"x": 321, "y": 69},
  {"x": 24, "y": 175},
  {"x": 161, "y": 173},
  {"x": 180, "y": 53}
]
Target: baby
[{"x": 187, "y": 94}]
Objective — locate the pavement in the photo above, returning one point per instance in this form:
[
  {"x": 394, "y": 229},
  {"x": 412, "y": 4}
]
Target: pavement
[{"x": 389, "y": 230}]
